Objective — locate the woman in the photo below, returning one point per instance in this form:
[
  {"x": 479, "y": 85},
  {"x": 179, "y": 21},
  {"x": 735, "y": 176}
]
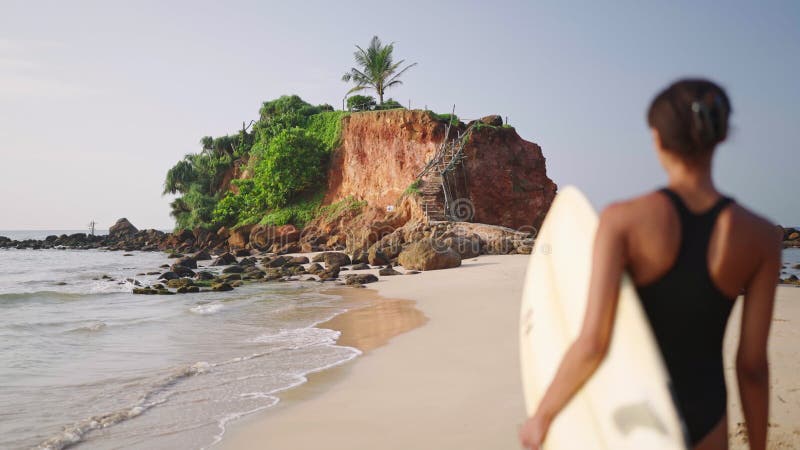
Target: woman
[{"x": 690, "y": 251}]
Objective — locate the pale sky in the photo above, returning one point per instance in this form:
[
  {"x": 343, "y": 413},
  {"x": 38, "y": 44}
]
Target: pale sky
[{"x": 99, "y": 99}]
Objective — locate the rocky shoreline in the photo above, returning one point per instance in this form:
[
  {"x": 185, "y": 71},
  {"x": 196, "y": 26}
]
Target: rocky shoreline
[
  {"x": 226, "y": 260},
  {"x": 267, "y": 253}
]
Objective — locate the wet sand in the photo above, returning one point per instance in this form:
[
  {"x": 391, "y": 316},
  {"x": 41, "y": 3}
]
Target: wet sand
[{"x": 453, "y": 382}]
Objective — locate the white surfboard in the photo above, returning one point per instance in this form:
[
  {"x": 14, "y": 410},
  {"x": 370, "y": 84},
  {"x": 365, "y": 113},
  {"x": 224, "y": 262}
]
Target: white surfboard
[{"x": 626, "y": 404}]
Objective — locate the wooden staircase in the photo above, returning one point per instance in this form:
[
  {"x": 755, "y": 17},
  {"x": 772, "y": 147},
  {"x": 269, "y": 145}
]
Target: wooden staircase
[
  {"x": 432, "y": 202},
  {"x": 437, "y": 178}
]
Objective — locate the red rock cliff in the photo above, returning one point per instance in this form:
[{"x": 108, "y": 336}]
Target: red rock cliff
[{"x": 382, "y": 152}]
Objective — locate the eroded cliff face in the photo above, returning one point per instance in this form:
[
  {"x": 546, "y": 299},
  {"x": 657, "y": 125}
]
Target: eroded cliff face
[{"x": 382, "y": 153}]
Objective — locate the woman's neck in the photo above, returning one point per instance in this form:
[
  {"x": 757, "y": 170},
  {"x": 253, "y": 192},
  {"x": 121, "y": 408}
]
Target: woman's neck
[{"x": 695, "y": 184}]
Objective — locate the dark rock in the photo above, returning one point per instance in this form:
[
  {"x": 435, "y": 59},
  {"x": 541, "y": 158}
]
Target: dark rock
[
  {"x": 242, "y": 252},
  {"x": 230, "y": 277},
  {"x": 188, "y": 290},
  {"x": 361, "y": 266},
  {"x": 376, "y": 257},
  {"x": 249, "y": 261},
  {"x": 361, "y": 278},
  {"x": 122, "y": 229},
  {"x": 186, "y": 261},
  {"x": 315, "y": 268},
  {"x": 224, "y": 259},
  {"x": 360, "y": 256},
  {"x": 145, "y": 291},
  {"x": 175, "y": 255},
  {"x": 183, "y": 271},
  {"x": 429, "y": 254},
  {"x": 388, "y": 271},
  {"x": 330, "y": 273},
  {"x": 233, "y": 269},
  {"x": 204, "y": 275},
  {"x": 202, "y": 255},
  {"x": 278, "y": 261},
  {"x": 465, "y": 247},
  {"x": 297, "y": 260},
  {"x": 180, "y": 282},
  {"x": 493, "y": 120},
  {"x": 221, "y": 287},
  {"x": 169, "y": 276},
  {"x": 153, "y": 273},
  {"x": 333, "y": 259},
  {"x": 164, "y": 266}
]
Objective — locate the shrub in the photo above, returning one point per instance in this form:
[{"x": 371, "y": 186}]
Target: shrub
[
  {"x": 291, "y": 163},
  {"x": 452, "y": 118},
  {"x": 327, "y": 127},
  {"x": 413, "y": 188},
  {"x": 391, "y": 104},
  {"x": 360, "y": 103}
]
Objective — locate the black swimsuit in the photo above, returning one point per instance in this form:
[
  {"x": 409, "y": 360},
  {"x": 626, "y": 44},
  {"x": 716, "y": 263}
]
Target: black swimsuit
[{"x": 688, "y": 314}]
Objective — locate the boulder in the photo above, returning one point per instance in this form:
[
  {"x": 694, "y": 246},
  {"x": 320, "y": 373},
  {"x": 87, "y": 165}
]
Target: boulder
[
  {"x": 361, "y": 278},
  {"x": 330, "y": 273},
  {"x": 183, "y": 271},
  {"x": 204, "y": 276},
  {"x": 188, "y": 290},
  {"x": 240, "y": 237},
  {"x": 297, "y": 261},
  {"x": 493, "y": 120},
  {"x": 360, "y": 266},
  {"x": 315, "y": 268},
  {"x": 169, "y": 276},
  {"x": 186, "y": 261},
  {"x": 376, "y": 257},
  {"x": 277, "y": 261},
  {"x": 224, "y": 259},
  {"x": 388, "y": 271},
  {"x": 180, "y": 282},
  {"x": 221, "y": 287},
  {"x": 202, "y": 255},
  {"x": 360, "y": 256},
  {"x": 333, "y": 258},
  {"x": 122, "y": 229},
  {"x": 233, "y": 269},
  {"x": 465, "y": 247},
  {"x": 429, "y": 254}
]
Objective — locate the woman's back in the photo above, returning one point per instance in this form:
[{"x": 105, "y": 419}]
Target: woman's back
[
  {"x": 691, "y": 252},
  {"x": 690, "y": 255}
]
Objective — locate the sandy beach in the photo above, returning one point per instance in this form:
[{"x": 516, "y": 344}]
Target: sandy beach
[{"x": 452, "y": 381}]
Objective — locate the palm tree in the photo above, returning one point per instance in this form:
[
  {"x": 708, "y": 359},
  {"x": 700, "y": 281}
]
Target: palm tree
[{"x": 376, "y": 69}]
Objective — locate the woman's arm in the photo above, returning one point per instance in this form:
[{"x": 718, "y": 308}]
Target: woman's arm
[
  {"x": 591, "y": 346},
  {"x": 752, "y": 369}
]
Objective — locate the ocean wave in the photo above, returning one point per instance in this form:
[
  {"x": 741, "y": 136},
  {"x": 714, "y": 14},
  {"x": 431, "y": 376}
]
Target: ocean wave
[
  {"x": 295, "y": 338},
  {"x": 74, "y": 433},
  {"x": 91, "y": 327},
  {"x": 12, "y": 297},
  {"x": 208, "y": 308}
]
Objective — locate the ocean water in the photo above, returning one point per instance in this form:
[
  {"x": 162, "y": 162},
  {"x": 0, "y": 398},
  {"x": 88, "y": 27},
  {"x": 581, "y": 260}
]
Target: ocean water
[{"x": 84, "y": 362}]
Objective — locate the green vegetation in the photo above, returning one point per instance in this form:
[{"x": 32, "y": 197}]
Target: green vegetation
[
  {"x": 336, "y": 209},
  {"x": 298, "y": 213},
  {"x": 376, "y": 69},
  {"x": 360, "y": 102},
  {"x": 413, "y": 188},
  {"x": 286, "y": 153},
  {"x": 452, "y": 118}
]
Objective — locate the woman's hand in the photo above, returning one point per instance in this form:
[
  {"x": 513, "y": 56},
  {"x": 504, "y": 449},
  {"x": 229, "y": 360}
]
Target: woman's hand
[{"x": 534, "y": 431}]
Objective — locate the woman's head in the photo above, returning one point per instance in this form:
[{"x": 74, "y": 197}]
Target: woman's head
[{"x": 690, "y": 117}]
